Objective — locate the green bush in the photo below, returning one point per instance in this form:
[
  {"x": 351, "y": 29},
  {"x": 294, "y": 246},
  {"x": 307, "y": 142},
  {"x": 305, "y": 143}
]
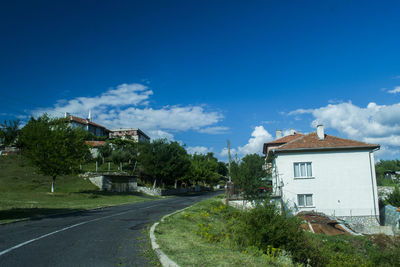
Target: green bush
[
  {"x": 264, "y": 226},
  {"x": 394, "y": 197}
]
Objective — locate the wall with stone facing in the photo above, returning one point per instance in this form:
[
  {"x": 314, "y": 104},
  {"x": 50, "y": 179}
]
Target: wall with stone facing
[
  {"x": 163, "y": 192},
  {"x": 363, "y": 224},
  {"x": 115, "y": 183}
]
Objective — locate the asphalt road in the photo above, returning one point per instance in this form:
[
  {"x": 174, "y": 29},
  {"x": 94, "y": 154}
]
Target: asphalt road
[{"x": 111, "y": 236}]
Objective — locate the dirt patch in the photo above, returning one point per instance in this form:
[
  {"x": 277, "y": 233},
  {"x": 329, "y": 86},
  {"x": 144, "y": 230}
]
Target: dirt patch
[{"x": 321, "y": 224}]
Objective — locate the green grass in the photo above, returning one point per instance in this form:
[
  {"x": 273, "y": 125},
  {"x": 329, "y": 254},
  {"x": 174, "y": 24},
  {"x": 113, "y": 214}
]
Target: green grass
[
  {"x": 25, "y": 194},
  {"x": 201, "y": 236},
  {"x": 197, "y": 237}
]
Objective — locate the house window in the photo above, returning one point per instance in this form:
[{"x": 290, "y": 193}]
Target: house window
[
  {"x": 302, "y": 170},
  {"x": 305, "y": 200}
]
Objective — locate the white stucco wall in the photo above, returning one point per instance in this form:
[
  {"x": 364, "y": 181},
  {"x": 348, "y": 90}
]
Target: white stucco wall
[{"x": 341, "y": 185}]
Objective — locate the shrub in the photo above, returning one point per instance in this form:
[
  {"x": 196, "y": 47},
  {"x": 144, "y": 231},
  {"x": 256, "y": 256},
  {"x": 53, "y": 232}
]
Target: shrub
[
  {"x": 264, "y": 226},
  {"x": 394, "y": 197}
]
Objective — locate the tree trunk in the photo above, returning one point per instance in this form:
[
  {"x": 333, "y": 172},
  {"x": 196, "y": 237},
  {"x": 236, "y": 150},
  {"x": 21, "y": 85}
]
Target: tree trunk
[
  {"x": 176, "y": 184},
  {"x": 154, "y": 184},
  {"x": 53, "y": 184}
]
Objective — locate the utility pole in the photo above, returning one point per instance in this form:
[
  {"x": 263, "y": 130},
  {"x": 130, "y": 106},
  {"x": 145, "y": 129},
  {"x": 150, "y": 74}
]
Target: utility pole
[
  {"x": 229, "y": 160},
  {"x": 229, "y": 185}
]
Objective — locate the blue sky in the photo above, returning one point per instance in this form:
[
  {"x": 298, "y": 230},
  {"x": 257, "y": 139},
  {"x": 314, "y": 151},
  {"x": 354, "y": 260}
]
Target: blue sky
[{"x": 202, "y": 72}]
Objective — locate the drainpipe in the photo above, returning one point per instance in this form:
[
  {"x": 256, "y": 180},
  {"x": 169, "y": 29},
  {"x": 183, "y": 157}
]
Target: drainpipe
[{"x": 372, "y": 183}]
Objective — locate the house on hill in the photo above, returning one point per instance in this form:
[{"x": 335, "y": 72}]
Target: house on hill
[
  {"x": 325, "y": 173},
  {"x": 132, "y": 133},
  {"x": 87, "y": 125}
]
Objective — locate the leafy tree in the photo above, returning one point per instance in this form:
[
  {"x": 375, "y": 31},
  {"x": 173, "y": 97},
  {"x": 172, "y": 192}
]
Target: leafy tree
[
  {"x": 204, "y": 168},
  {"x": 394, "y": 197},
  {"x": 250, "y": 174},
  {"x": 53, "y": 147},
  {"x": 163, "y": 161},
  {"x": 9, "y": 131},
  {"x": 222, "y": 169},
  {"x": 385, "y": 165},
  {"x": 235, "y": 176},
  {"x": 106, "y": 150}
]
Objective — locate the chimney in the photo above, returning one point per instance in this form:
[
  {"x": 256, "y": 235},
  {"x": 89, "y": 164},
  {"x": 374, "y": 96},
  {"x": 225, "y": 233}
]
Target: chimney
[
  {"x": 89, "y": 116},
  {"x": 320, "y": 132},
  {"x": 278, "y": 134},
  {"x": 292, "y": 131},
  {"x": 66, "y": 115}
]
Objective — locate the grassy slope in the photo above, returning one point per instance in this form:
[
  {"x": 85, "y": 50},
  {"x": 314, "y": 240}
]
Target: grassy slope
[
  {"x": 179, "y": 237},
  {"x": 23, "y": 193}
]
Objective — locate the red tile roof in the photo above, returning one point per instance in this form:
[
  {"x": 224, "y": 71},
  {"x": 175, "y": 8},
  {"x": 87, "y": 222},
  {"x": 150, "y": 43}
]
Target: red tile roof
[
  {"x": 312, "y": 142},
  {"x": 281, "y": 141},
  {"x": 286, "y": 139},
  {"x": 95, "y": 143},
  {"x": 85, "y": 122}
]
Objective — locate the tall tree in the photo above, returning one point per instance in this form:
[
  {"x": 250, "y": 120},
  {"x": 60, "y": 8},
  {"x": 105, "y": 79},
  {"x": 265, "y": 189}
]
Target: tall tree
[
  {"x": 53, "y": 147},
  {"x": 9, "y": 131},
  {"x": 163, "y": 161},
  {"x": 204, "y": 168},
  {"x": 250, "y": 174}
]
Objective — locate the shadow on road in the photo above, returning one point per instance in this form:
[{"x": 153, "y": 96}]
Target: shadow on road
[{"x": 31, "y": 213}]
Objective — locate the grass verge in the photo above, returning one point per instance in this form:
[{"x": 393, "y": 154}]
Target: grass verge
[
  {"x": 25, "y": 194},
  {"x": 197, "y": 237},
  {"x": 211, "y": 234}
]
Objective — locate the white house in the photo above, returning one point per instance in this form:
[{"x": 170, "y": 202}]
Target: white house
[
  {"x": 326, "y": 174},
  {"x": 132, "y": 133}
]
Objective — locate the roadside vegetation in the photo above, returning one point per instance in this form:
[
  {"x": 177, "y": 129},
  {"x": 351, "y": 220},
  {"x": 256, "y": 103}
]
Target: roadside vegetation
[
  {"x": 210, "y": 233},
  {"x": 25, "y": 193}
]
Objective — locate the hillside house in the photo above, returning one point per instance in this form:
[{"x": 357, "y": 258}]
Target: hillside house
[
  {"x": 87, "y": 125},
  {"x": 132, "y": 133},
  {"x": 326, "y": 174}
]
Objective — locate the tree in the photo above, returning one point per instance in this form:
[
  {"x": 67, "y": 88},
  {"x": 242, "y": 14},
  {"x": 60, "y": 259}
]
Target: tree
[
  {"x": 394, "y": 197},
  {"x": 9, "y": 131},
  {"x": 250, "y": 174},
  {"x": 53, "y": 147},
  {"x": 222, "y": 169},
  {"x": 163, "y": 161},
  {"x": 204, "y": 168}
]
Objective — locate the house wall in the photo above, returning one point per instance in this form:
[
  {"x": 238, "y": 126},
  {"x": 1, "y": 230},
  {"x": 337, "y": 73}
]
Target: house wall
[{"x": 343, "y": 183}]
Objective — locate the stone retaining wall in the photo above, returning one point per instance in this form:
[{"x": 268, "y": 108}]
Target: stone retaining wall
[{"x": 115, "y": 183}]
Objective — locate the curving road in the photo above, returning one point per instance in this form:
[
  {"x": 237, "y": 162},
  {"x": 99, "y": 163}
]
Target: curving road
[{"x": 111, "y": 236}]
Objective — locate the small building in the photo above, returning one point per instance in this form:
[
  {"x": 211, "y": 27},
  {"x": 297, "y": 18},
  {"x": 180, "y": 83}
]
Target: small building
[
  {"x": 87, "y": 125},
  {"x": 94, "y": 147},
  {"x": 131, "y": 133},
  {"x": 325, "y": 173}
]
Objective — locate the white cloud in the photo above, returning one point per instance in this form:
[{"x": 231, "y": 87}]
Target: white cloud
[
  {"x": 215, "y": 130},
  {"x": 159, "y": 134},
  {"x": 395, "y": 90},
  {"x": 300, "y": 111},
  {"x": 256, "y": 142},
  {"x": 224, "y": 152},
  {"x": 127, "y": 106},
  {"x": 259, "y": 136},
  {"x": 198, "y": 149},
  {"x": 373, "y": 124}
]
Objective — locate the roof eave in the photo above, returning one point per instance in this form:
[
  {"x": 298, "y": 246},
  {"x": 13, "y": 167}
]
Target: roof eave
[{"x": 376, "y": 147}]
